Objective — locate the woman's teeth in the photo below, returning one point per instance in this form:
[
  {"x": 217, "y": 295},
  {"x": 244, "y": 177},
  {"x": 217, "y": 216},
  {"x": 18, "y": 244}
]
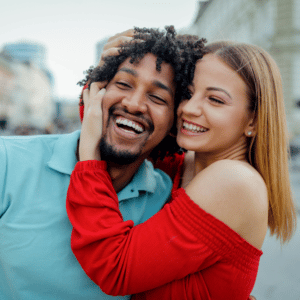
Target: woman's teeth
[{"x": 194, "y": 128}]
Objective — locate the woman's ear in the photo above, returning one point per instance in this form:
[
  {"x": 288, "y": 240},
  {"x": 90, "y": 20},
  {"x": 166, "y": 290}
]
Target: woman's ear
[{"x": 250, "y": 129}]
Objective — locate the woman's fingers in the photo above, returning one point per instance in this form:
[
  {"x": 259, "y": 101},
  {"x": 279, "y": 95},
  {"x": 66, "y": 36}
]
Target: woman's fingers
[
  {"x": 111, "y": 48},
  {"x": 92, "y": 99},
  {"x": 128, "y": 32},
  {"x": 91, "y": 130},
  {"x": 96, "y": 87},
  {"x": 88, "y": 94},
  {"x": 117, "y": 42}
]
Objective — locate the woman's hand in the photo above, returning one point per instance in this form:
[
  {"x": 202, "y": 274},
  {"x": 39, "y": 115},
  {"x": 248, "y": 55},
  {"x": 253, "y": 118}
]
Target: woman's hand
[
  {"x": 112, "y": 47},
  {"x": 92, "y": 98},
  {"x": 91, "y": 130}
]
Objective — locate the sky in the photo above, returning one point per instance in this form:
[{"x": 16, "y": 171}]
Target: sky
[{"x": 70, "y": 29}]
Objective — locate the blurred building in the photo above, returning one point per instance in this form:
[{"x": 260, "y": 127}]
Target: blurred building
[
  {"x": 26, "y": 52},
  {"x": 7, "y": 76},
  {"x": 26, "y": 98},
  {"x": 272, "y": 24},
  {"x": 66, "y": 115},
  {"x": 99, "y": 49}
]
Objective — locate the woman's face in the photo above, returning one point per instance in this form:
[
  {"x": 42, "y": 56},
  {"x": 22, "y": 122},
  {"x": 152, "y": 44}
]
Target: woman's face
[{"x": 216, "y": 118}]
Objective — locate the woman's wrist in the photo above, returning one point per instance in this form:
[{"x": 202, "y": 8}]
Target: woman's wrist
[{"x": 89, "y": 151}]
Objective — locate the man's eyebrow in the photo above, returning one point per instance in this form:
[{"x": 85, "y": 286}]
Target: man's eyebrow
[
  {"x": 155, "y": 82},
  {"x": 129, "y": 71},
  {"x": 219, "y": 90},
  {"x": 163, "y": 86}
]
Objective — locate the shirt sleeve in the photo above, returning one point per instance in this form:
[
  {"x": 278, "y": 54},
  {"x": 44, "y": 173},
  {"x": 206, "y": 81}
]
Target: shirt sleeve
[{"x": 122, "y": 259}]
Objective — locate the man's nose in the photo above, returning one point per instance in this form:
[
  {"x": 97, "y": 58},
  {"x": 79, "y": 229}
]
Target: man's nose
[{"x": 135, "y": 102}]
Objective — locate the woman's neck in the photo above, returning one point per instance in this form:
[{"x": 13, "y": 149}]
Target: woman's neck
[{"x": 203, "y": 159}]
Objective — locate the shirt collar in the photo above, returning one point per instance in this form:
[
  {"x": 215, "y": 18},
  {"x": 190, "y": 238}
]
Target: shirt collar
[
  {"x": 143, "y": 180},
  {"x": 64, "y": 158}
]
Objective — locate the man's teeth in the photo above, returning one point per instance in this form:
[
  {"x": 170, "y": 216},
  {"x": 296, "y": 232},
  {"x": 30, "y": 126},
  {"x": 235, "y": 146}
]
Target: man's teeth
[
  {"x": 193, "y": 127},
  {"x": 130, "y": 124}
]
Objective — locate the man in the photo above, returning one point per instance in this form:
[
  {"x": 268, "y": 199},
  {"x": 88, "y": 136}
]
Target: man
[{"x": 35, "y": 255}]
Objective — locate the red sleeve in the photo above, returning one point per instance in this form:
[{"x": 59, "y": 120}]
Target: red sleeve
[
  {"x": 122, "y": 259},
  {"x": 173, "y": 166}
]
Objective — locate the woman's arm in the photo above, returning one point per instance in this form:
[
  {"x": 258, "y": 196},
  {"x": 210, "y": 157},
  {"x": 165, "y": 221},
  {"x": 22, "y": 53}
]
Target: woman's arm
[{"x": 179, "y": 240}]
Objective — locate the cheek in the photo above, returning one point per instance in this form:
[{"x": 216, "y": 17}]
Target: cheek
[
  {"x": 217, "y": 117},
  {"x": 164, "y": 120}
]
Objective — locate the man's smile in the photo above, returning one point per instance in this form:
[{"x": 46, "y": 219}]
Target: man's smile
[{"x": 129, "y": 125}]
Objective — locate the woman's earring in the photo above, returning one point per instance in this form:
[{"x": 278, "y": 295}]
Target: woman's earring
[{"x": 249, "y": 133}]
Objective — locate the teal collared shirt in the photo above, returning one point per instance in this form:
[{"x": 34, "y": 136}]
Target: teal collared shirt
[{"x": 36, "y": 261}]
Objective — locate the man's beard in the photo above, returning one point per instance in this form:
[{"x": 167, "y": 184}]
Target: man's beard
[{"x": 110, "y": 154}]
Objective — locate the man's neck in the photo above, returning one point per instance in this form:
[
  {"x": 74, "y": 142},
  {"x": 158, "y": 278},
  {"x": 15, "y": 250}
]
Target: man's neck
[{"x": 121, "y": 175}]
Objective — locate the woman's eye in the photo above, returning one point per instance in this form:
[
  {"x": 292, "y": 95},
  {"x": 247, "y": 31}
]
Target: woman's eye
[{"x": 216, "y": 100}]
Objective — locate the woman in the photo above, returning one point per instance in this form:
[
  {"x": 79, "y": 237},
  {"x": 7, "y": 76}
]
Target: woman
[{"x": 206, "y": 243}]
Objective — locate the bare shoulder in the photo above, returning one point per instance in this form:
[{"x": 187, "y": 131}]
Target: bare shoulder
[{"x": 235, "y": 193}]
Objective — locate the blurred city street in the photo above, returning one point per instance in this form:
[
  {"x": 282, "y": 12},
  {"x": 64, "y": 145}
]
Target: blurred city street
[{"x": 279, "y": 272}]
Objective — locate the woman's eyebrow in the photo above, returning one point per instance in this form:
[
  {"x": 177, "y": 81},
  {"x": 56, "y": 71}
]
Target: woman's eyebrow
[{"x": 219, "y": 90}]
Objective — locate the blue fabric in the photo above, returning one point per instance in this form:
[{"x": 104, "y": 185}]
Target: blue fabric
[{"x": 36, "y": 261}]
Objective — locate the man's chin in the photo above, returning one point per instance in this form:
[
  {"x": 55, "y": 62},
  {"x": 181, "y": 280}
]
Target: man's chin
[{"x": 110, "y": 154}]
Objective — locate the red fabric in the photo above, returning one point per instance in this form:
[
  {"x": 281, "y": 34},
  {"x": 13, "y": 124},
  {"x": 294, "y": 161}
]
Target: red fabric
[
  {"x": 81, "y": 104},
  {"x": 182, "y": 252},
  {"x": 173, "y": 166}
]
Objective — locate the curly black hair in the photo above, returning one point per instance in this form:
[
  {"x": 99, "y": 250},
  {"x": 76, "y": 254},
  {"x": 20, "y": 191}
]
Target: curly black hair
[{"x": 180, "y": 51}]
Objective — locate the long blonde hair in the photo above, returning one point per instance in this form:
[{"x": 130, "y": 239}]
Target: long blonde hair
[{"x": 268, "y": 149}]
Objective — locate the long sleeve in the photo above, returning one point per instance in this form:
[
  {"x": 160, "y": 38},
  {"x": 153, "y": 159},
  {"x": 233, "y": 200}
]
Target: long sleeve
[
  {"x": 173, "y": 166},
  {"x": 181, "y": 239}
]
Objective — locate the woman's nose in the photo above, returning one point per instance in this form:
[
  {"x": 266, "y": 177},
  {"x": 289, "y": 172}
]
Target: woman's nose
[{"x": 193, "y": 106}]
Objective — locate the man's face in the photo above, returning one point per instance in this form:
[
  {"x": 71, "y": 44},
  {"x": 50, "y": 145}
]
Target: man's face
[{"x": 138, "y": 110}]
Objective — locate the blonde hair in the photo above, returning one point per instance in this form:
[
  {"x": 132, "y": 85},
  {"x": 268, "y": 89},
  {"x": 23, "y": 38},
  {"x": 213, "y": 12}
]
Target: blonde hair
[{"x": 268, "y": 149}]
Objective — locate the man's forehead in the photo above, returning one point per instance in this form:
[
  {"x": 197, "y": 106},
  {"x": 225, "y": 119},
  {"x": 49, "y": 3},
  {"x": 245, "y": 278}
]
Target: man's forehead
[
  {"x": 163, "y": 79},
  {"x": 148, "y": 64}
]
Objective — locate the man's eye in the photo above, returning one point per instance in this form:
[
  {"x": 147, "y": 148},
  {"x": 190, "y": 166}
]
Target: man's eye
[
  {"x": 122, "y": 85},
  {"x": 157, "y": 99}
]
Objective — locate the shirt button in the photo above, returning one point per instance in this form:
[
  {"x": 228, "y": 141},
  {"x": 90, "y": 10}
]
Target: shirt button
[{"x": 132, "y": 190}]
